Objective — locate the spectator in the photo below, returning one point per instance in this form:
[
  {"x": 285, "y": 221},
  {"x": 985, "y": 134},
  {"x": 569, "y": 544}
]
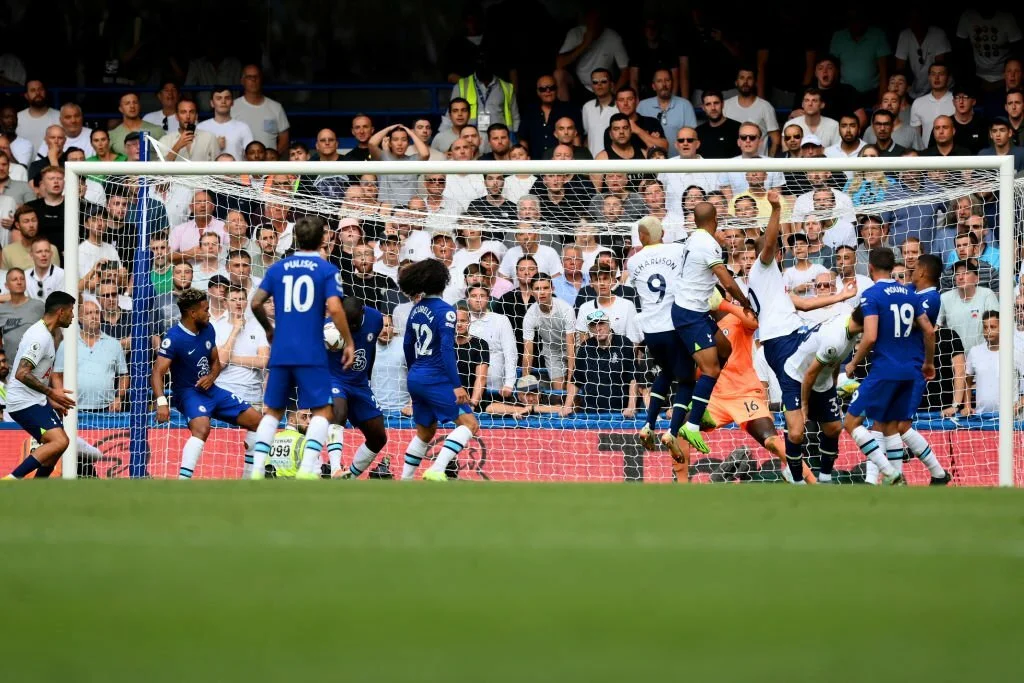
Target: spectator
[
  {"x": 472, "y": 357},
  {"x": 850, "y": 143},
  {"x": 621, "y": 312},
  {"x": 864, "y": 52},
  {"x": 567, "y": 135},
  {"x": 846, "y": 269},
  {"x": 462, "y": 188},
  {"x": 165, "y": 307},
  {"x": 424, "y": 130},
  {"x": 514, "y": 304},
  {"x": 645, "y": 132},
  {"x": 131, "y": 122},
  {"x": 573, "y": 277},
  {"x": 526, "y": 400},
  {"x": 968, "y": 246},
  {"x": 899, "y": 133},
  {"x": 671, "y": 111},
  {"x": 993, "y": 36},
  {"x": 168, "y": 96},
  {"x": 994, "y": 103},
  {"x": 388, "y": 378},
  {"x": 362, "y": 130},
  {"x": 747, "y": 107},
  {"x": 943, "y": 143},
  {"x": 185, "y": 238},
  {"x": 963, "y": 305},
  {"x": 114, "y": 321},
  {"x": 189, "y": 142},
  {"x": 100, "y": 140},
  {"x": 938, "y": 102},
  {"x": 881, "y": 131},
  {"x": 473, "y": 244},
  {"x": 94, "y": 252},
  {"x": 239, "y": 271},
  {"x": 231, "y": 134},
  {"x": 605, "y": 376},
  {"x": 874, "y": 234},
  {"x": 800, "y": 277},
  {"x": 813, "y": 123},
  {"x": 162, "y": 270},
  {"x": 243, "y": 349},
  {"x": 388, "y": 260},
  {"x": 392, "y": 144},
  {"x": 51, "y": 153},
  {"x": 75, "y": 134},
  {"x": 749, "y": 142},
  {"x": 983, "y": 370},
  {"x": 18, "y": 254},
  {"x": 621, "y": 145},
  {"x": 265, "y": 117},
  {"x": 971, "y": 130},
  {"x": 1002, "y": 144},
  {"x": 19, "y": 149},
  {"x": 913, "y": 217},
  {"x": 918, "y": 47},
  {"x": 458, "y": 116},
  {"x": 264, "y": 252},
  {"x": 494, "y": 207},
  {"x": 499, "y": 141},
  {"x": 49, "y": 208},
  {"x": 490, "y": 99},
  {"x": 18, "y": 190},
  {"x": 587, "y": 47},
  {"x": 102, "y": 370},
  {"x": 549, "y": 334},
  {"x": 836, "y": 96},
  {"x": 528, "y": 244},
  {"x": 19, "y": 312},
  {"x": 34, "y": 119},
  {"x": 596, "y": 114},
  {"x": 868, "y": 187},
  {"x": 494, "y": 329},
  {"x": 237, "y": 228},
  {"x": 364, "y": 283},
  {"x": 206, "y": 261}
]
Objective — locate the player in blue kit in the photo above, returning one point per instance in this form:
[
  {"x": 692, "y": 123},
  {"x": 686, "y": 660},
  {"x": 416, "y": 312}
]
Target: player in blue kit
[
  {"x": 351, "y": 395},
  {"x": 302, "y": 286},
  {"x": 189, "y": 352},
  {"x": 897, "y": 328},
  {"x": 433, "y": 382}
]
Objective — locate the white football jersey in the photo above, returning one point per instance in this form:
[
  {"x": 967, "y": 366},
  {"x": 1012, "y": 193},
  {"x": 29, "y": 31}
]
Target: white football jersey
[
  {"x": 830, "y": 344},
  {"x": 693, "y": 289},
  {"x": 776, "y": 314},
  {"x": 37, "y": 348},
  {"x": 652, "y": 271}
]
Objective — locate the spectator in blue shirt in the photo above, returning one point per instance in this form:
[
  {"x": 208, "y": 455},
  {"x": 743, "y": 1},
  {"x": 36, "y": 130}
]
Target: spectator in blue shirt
[
  {"x": 1000, "y": 133},
  {"x": 672, "y": 111}
]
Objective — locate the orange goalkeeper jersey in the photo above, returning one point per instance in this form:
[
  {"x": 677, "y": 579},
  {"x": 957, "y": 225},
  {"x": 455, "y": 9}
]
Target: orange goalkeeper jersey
[{"x": 738, "y": 379}]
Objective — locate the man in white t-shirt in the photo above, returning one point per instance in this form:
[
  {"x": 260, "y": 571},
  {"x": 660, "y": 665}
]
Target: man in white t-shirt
[
  {"x": 799, "y": 278},
  {"x": 232, "y": 136},
  {"x": 992, "y": 34},
  {"x": 243, "y": 349},
  {"x": 168, "y": 97},
  {"x": 589, "y": 46},
  {"x": 747, "y": 106},
  {"x": 93, "y": 252},
  {"x": 75, "y": 134},
  {"x": 814, "y": 123},
  {"x": 528, "y": 244},
  {"x": 983, "y": 369},
  {"x": 749, "y": 142},
  {"x": 621, "y": 311},
  {"x": 34, "y": 119},
  {"x": 938, "y": 102},
  {"x": 265, "y": 117}
]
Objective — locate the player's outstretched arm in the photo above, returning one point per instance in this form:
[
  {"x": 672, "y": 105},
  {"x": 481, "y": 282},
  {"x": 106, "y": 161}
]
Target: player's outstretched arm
[
  {"x": 156, "y": 381},
  {"x": 260, "y": 313},
  {"x": 337, "y": 314},
  {"x": 804, "y": 303},
  {"x": 867, "y": 342},
  {"x": 745, "y": 315},
  {"x": 723, "y": 275},
  {"x": 771, "y": 232}
]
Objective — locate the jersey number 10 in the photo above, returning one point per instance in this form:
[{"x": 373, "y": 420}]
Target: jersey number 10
[{"x": 298, "y": 293}]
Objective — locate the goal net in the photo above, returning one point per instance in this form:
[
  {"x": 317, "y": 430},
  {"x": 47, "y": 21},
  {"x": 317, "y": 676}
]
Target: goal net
[{"x": 498, "y": 225}]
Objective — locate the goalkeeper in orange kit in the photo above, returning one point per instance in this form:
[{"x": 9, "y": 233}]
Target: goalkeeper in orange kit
[{"x": 739, "y": 396}]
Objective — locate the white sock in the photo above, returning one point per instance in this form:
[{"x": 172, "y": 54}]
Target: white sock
[
  {"x": 918, "y": 445},
  {"x": 250, "y": 444},
  {"x": 871, "y": 474},
  {"x": 871, "y": 449},
  {"x": 413, "y": 456},
  {"x": 894, "y": 451},
  {"x": 361, "y": 460},
  {"x": 87, "y": 449},
  {"x": 824, "y": 477},
  {"x": 455, "y": 442},
  {"x": 335, "y": 444},
  {"x": 316, "y": 435},
  {"x": 261, "y": 451},
  {"x": 190, "y": 456}
]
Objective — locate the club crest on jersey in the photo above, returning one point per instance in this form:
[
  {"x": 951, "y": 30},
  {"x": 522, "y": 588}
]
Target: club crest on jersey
[
  {"x": 208, "y": 345},
  {"x": 166, "y": 343},
  {"x": 450, "y": 316},
  {"x": 369, "y": 336}
]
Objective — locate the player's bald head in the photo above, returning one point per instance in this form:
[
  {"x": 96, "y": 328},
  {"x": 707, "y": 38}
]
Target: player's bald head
[
  {"x": 649, "y": 230},
  {"x": 705, "y": 216}
]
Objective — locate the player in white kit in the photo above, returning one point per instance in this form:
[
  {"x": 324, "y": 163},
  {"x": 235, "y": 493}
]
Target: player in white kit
[
  {"x": 652, "y": 271},
  {"x": 816, "y": 365},
  {"x": 782, "y": 331},
  {"x": 703, "y": 268}
]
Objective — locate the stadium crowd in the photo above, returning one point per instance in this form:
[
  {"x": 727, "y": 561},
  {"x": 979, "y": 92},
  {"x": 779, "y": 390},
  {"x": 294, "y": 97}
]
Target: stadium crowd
[{"x": 547, "y": 318}]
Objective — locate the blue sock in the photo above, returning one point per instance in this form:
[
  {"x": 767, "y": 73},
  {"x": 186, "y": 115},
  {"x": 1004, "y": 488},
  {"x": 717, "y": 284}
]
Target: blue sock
[
  {"x": 27, "y": 467},
  {"x": 684, "y": 392},
  {"x": 659, "y": 390},
  {"x": 701, "y": 395},
  {"x": 794, "y": 458}
]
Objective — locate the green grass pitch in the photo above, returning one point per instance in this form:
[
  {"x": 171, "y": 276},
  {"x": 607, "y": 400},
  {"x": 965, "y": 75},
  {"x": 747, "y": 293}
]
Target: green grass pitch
[{"x": 379, "y": 581}]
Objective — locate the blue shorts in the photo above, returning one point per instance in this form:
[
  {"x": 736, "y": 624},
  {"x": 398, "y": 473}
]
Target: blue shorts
[
  {"x": 824, "y": 406},
  {"x": 216, "y": 403},
  {"x": 665, "y": 349},
  {"x": 38, "y": 419},
  {"x": 362, "y": 404},
  {"x": 886, "y": 400},
  {"x": 777, "y": 351},
  {"x": 696, "y": 329},
  {"x": 433, "y": 402},
  {"x": 313, "y": 384}
]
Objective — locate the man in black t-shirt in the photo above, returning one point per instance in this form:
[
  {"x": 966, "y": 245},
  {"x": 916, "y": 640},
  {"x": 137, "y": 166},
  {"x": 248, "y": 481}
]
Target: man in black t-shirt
[
  {"x": 50, "y": 207},
  {"x": 647, "y": 131},
  {"x": 950, "y": 380},
  {"x": 718, "y": 134},
  {"x": 604, "y": 379},
  {"x": 373, "y": 288},
  {"x": 471, "y": 356}
]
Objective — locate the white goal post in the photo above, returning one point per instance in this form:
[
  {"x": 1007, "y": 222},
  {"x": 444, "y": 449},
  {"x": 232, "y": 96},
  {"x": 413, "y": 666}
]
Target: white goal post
[{"x": 1001, "y": 168}]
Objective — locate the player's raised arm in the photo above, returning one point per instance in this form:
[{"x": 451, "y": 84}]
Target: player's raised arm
[
  {"x": 337, "y": 313},
  {"x": 804, "y": 303},
  {"x": 771, "y": 232},
  {"x": 725, "y": 277},
  {"x": 156, "y": 381}
]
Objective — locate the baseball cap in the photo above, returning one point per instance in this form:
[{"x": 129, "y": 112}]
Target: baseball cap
[
  {"x": 345, "y": 222},
  {"x": 528, "y": 383},
  {"x": 597, "y": 316},
  {"x": 443, "y": 233},
  {"x": 219, "y": 279},
  {"x": 802, "y": 236},
  {"x": 1001, "y": 120},
  {"x": 811, "y": 139}
]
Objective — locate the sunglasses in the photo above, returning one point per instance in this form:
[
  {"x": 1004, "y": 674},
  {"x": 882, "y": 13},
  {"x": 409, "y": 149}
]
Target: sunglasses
[
  {"x": 435, "y": 180},
  {"x": 685, "y": 140},
  {"x": 603, "y": 81},
  {"x": 546, "y": 88},
  {"x": 792, "y": 137},
  {"x": 823, "y": 285},
  {"x": 748, "y": 138}
]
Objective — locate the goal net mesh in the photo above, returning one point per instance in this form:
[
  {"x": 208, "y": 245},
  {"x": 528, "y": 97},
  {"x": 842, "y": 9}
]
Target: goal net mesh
[{"x": 481, "y": 225}]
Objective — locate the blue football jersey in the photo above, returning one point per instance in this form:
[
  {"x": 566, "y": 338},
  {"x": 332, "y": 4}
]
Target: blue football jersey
[
  {"x": 189, "y": 354},
  {"x": 365, "y": 339},
  {"x": 899, "y": 349},
  {"x": 430, "y": 342},
  {"x": 930, "y": 302},
  {"x": 300, "y": 286}
]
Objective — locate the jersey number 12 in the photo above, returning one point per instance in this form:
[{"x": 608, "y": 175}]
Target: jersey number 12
[{"x": 424, "y": 336}]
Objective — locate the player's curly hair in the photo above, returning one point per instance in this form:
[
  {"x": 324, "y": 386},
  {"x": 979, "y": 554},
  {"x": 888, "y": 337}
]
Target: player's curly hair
[
  {"x": 428, "y": 277},
  {"x": 189, "y": 299}
]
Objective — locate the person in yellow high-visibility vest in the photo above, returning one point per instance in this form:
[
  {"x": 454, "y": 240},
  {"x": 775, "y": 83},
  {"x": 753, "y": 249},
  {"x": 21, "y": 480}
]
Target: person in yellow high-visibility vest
[{"x": 491, "y": 100}]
